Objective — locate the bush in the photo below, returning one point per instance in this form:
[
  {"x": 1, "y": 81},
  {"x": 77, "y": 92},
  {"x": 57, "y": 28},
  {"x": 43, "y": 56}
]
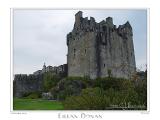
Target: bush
[
  {"x": 67, "y": 87},
  {"x": 68, "y": 91},
  {"x": 85, "y": 80},
  {"x": 70, "y": 86},
  {"x": 89, "y": 99},
  {"x": 141, "y": 89},
  {"x": 98, "y": 99},
  {"x": 103, "y": 93},
  {"x": 110, "y": 82},
  {"x": 33, "y": 95},
  {"x": 49, "y": 81}
]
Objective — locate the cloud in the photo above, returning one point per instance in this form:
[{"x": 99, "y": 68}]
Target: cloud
[{"x": 40, "y": 35}]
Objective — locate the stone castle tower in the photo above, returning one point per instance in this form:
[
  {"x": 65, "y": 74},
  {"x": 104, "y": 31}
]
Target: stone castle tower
[{"x": 98, "y": 49}]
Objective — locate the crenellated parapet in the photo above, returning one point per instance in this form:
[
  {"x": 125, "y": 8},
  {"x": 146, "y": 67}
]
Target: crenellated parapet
[
  {"x": 24, "y": 84},
  {"x": 84, "y": 25},
  {"x": 125, "y": 30}
]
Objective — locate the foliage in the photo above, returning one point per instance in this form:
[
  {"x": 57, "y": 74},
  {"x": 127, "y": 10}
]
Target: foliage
[
  {"x": 54, "y": 91},
  {"x": 32, "y": 95},
  {"x": 85, "y": 80},
  {"x": 82, "y": 93},
  {"x": 102, "y": 93},
  {"x": 123, "y": 98},
  {"x": 89, "y": 99},
  {"x": 109, "y": 73},
  {"x": 50, "y": 80},
  {"x": 141, "y": 89},
  {"x": 118, "y": 93},
  {"x": 67, "y": 87},
  {"x": 110, "y": 82}
]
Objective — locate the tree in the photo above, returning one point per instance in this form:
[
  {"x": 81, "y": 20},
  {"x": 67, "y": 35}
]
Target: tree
[{"x": 50, "y": 80}]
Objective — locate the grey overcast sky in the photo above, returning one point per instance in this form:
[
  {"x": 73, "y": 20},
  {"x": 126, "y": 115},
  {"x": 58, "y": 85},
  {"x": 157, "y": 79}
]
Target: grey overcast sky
[{"x": 40, "y": 35}]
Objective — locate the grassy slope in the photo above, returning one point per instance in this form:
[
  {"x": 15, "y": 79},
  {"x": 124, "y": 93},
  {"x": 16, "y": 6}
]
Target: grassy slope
[{"x": 36, "y": 104}]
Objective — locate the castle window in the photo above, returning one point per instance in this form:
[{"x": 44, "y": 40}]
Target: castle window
[
  {"x": 85, "y": 51},
  {"x": 104, "y": 28},
  {"x": 101, "y": 34},
  {"x": 104, "y": 65},
  {"x": 74, "y": 52}
]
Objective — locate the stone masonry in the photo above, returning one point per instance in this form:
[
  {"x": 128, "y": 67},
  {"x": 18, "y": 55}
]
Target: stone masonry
[
  {"x": 25, "y": 84},
  {"x": 94, "y": 48}
]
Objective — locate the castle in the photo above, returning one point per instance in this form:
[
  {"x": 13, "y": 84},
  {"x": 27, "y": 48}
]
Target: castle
[
  {"x": 62, "y": 69},
  {"x": 94, "y": 49}
]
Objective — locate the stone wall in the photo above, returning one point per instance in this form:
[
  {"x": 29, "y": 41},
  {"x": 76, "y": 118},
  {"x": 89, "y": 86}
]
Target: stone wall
[{"x": 25, "y": 84}]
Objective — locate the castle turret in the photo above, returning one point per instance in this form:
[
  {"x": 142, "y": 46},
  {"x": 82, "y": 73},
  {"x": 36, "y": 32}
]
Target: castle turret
[
  {"x": 44, "y": 68},
  {"x": 127, "y": 24},
  {"x": 78, "y": 19},
  {"x": 109, "y": 21}
]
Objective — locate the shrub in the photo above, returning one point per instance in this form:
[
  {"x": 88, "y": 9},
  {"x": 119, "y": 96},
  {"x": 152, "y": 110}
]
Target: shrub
[
  {"x": 85, "y": 80},
  {"x": 89, "y": 99},
  {"x": 68, "y": 91},
  {"x": 141, "y": 88},
  {"x": 66, "y": 87},
  {"x": 98, "y": 99},
  {"x": 110, "y": 82},
  {"x": 49, "y": 81},
  {"x": 33, "y": 95},
  {"x": 109, "y": 73},
  {"x": 102, "y": 93}
]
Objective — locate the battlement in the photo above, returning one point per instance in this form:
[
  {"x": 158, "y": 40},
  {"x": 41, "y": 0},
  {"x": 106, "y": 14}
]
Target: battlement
[
  {"x": 79, "y": 15},
  {"x": 84, "y": 25}
]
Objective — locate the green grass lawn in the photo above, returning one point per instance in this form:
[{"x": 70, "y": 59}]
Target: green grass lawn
[{"x": 36, "y": 104}]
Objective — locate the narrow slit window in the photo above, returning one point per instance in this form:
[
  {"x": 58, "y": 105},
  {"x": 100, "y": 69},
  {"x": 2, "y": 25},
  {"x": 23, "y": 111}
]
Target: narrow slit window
[{"x": 74, "y": 52}]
